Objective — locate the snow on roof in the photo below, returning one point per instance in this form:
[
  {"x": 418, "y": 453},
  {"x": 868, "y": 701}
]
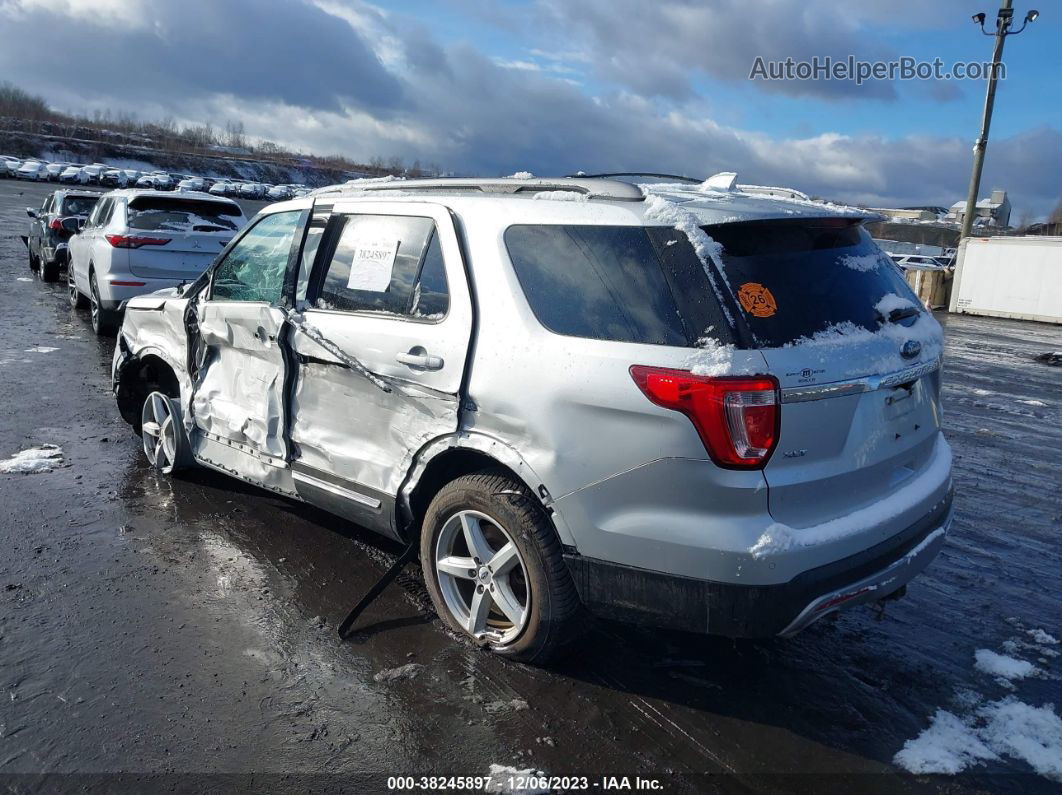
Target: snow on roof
[{"x": 716, "y": 200}]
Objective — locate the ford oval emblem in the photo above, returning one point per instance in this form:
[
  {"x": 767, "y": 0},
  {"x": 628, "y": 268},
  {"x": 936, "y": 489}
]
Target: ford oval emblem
[{"x": 910, "y": 349}]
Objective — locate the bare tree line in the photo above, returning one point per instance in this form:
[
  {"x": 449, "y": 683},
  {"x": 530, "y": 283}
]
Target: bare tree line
[{"x": 21, "y": 111}]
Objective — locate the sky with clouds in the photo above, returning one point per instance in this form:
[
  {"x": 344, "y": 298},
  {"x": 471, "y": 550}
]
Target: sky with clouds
[{"x": 553, "y": 86}]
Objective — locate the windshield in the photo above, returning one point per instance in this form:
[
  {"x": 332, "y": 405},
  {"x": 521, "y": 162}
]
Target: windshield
[
  {"x": 78, "y": 205},
  {"x": 163, "y": 214},
  {"x": 796, "y": 278}
]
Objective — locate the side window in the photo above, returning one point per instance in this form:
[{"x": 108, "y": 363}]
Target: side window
[
  {"x": 314, "y": 234},
  {"x": 254, "y": 268},
  {"x": 99, "y": 211},
  {"x": 382, "y": 263},
  {"x": 113, "y": 209},
  {"x": 46, "y": 207}
]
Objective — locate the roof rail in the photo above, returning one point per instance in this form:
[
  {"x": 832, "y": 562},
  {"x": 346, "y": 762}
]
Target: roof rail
[
  {"x": 676, "y": 177},
  {"x": 592, "y": 188}
]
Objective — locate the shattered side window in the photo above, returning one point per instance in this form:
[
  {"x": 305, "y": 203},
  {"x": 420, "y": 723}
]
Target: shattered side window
[{"x": 254, "y": 268}]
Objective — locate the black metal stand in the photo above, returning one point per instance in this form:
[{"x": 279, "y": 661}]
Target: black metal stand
[{"x": 408, "y": 555}]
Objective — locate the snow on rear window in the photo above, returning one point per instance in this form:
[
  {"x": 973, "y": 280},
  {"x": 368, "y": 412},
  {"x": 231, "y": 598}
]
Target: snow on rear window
[{"x": 163, "y": 214}]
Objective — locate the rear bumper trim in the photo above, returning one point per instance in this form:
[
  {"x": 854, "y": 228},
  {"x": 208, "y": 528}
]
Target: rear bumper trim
[{"x": 876, "y": 586}]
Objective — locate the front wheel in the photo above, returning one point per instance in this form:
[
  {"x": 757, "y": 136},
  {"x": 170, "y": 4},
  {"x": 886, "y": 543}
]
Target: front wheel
[
  {"x": 164, "y": 440},
  {"x": 493, "y": 566},
  {"x": 34, "y": 262}
]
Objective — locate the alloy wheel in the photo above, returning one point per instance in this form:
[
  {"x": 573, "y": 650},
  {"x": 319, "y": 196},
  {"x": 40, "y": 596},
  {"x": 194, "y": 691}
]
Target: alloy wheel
[
  {"x": 94, "y": 303},
  {"x": 482, "y": 577},
  {"x": 159, "y": 433}
]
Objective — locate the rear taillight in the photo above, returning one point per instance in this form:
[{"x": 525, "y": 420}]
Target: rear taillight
[
  {"x": 55, "y": 224},
  {"x": 135, "y": 241},
  {"x": 737, "y": 417}
]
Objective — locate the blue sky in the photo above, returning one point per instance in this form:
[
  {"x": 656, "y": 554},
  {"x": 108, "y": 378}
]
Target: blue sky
[{"x": 550, "y": 86}]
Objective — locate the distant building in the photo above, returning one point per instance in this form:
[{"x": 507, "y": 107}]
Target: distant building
[
  {"x": 1050, "y": 228},
  {"x": 908, "y": 213},
  {"x": 993, "y": 211}
]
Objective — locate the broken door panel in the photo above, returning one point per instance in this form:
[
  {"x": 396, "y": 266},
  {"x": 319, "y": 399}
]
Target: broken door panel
[{"x": 389, "y": 291}]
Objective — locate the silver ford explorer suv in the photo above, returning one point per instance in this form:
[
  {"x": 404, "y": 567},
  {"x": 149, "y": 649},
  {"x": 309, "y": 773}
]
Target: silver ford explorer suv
[{"x": 689, "y": 405}]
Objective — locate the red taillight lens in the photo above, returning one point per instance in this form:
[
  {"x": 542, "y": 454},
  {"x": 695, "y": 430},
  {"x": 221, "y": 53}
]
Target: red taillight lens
[
  {"x": 55, "y": 224},
  {"x": 135, "y": 241},
  {"x": 737, "y": 417}
]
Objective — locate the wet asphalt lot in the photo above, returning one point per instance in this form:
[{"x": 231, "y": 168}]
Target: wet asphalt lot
[{"x": 183, "y": 632}]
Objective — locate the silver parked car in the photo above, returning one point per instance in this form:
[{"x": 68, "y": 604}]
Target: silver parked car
[{"x": 680, "y": 405}]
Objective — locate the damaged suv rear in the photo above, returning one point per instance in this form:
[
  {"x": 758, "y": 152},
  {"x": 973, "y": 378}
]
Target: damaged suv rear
[{"x": 685, "y": 405}]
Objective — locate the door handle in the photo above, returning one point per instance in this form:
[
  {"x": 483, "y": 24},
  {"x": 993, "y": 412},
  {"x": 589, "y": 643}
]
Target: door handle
[{"x": 419, "y": 359}]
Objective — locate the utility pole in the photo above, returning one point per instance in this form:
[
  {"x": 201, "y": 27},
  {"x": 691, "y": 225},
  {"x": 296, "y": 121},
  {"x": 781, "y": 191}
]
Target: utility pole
[{"x": 1003, "y": 23}]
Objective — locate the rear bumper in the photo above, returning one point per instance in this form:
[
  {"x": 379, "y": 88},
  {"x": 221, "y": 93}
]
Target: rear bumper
[
  {"x": 639, "y": 596},
  {"x": 55, "y": 252},
  {"x": 112, "y": 296}
]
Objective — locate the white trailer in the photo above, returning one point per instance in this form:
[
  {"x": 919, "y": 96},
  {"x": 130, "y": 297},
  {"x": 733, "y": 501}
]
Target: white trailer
[{"x": 1017, "y": 277}]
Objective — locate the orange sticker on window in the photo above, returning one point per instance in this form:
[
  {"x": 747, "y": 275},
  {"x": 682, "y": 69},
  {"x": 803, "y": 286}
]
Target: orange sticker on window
[{"x": 757, "y": 300}]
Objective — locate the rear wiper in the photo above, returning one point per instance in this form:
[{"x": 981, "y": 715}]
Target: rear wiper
[{"x": 896, "y": 315}]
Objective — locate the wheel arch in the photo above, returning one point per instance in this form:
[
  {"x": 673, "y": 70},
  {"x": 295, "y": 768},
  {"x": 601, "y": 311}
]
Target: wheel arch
[
  {"x": 450, "y": 457},
  {"x": 147, "y": 372}
]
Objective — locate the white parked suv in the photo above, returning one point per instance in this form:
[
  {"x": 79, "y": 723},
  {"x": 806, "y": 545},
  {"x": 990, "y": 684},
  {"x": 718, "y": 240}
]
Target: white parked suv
[
  {"x": 139, "y": 241},
  {"x": 682, "y": 405}
]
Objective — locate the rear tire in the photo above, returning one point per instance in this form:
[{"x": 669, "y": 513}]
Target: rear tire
[
  {"x": 104, "y": 321},
  {"x": 49, "y": 271},
  {"x": 493, "y": 566},
  {"x": 77, "y": 300}
]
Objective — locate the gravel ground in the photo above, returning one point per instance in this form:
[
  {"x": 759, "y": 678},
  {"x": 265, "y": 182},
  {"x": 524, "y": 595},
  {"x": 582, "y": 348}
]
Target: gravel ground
[{"x": 182, "y": 632}]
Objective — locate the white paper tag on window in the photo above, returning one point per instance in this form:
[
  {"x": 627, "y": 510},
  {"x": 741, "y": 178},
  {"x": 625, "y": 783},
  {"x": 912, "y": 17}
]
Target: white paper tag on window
[{"x": 374, "y": 260}]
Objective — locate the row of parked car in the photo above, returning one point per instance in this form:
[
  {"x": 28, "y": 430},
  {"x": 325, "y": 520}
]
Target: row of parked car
[
  {"x": 126, "y": 242},
  {"x": 108, "y": 176},
  {"x": 561, "y": 406}
]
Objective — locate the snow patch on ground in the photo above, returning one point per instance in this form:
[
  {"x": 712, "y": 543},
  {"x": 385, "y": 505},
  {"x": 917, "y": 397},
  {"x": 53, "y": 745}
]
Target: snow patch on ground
[
  {"x": 949, "y": 746},
  {"x": 1001, "y": 728},
  {"x": 502, "y": 775},
  {"x": 861, "y": 262},
  {"x": 990, "y": 731},
  {"x": 407, "y": 671},
  {"x": 1039, "y": 636},
  {"x": 502, "y": 707},
  {"x": 33, "y": 460},
  {"x": 561, "y": 196},
  {"x": 41, "y": 349},
  {"x": 24, "y": 279},
  {"x": 1038, "y": 403},
  {"x": 999, "y": 665}
]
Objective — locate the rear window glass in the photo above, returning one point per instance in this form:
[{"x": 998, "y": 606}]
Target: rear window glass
[
  {"x": 160, "y": 213},
  {"x": 621, "y": 283},
  {"x": 794, "y": 279},
  {"x": 79, "y": 205}
]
